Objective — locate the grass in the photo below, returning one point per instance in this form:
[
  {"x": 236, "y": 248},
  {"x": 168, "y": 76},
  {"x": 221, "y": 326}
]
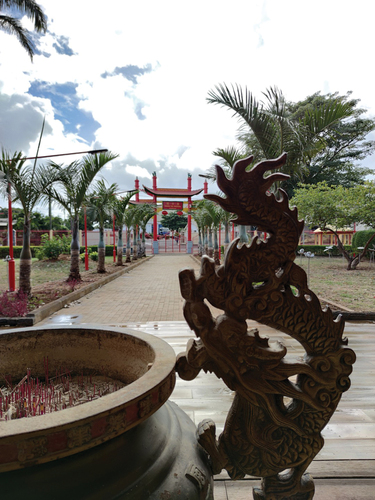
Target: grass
[{"x": 328, "y": 278}]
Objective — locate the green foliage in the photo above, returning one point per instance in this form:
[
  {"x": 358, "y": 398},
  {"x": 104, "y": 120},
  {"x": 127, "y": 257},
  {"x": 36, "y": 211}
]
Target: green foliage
[
  {"x": 328, "y": 207},
  {"x": 325, "y": 136},
  {"x": 173, "y": 221},
  {"x": 4, "y": 251},
  {"x": 52, "y": 248},
  {"x": 94, "y": 248},
  {"x": 94, "y": 256},
  {"x": 318, "y": 250},
  {"x": 360, "y": 239},
  {"x": 13, "y": 25},
  {"x": 38, "y": 221}
]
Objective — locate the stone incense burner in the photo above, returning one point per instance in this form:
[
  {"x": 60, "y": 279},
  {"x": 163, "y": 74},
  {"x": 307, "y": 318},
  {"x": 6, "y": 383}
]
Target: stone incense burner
[{"x": 130, "y": 444}]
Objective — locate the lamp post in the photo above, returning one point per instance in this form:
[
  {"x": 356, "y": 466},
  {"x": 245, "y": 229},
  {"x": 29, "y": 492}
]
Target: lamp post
[
  {"x": 11, "y": 263},
  {"x": 86, "y": 253},
  {"x": 114, "y": 238}
]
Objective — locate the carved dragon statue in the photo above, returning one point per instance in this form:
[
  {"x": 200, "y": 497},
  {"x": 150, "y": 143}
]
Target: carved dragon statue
[{"x": 274, "y": 423}]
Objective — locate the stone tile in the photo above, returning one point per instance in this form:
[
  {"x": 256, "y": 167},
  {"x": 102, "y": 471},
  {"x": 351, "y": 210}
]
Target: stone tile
[
  {"x": 220, "y": 491},
  {"x": 241, "y": 490}
]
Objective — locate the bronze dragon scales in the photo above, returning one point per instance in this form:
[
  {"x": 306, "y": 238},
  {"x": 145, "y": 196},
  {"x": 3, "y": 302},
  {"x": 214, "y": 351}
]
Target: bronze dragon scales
[{"x": 273, "y": 429}]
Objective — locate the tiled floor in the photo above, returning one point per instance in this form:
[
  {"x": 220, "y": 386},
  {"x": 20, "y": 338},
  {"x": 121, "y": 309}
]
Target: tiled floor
[{"x": 148, "y": 299}]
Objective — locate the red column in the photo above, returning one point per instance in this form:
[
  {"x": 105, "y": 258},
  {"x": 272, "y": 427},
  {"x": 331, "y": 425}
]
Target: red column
[
  {"x": 205, "y": 186},
  {"x": 189, "y": 245},
  {"x": 11, "y": 263},
  {"x": 155, "y": 221},
  {"x": 137, "y": 188},
  {"x": 154, "y": 186},
  {"x": 189, "y": 219}
]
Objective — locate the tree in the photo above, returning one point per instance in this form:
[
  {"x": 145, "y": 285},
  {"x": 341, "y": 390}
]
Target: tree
[
  {"x": 12, "y": 25},
  {"x": 128, "y": 221},
  {"x": 311, "y": 132},
  {"x": 119, "y": 209},
  {"x": 144, "y": 213},
  {"x": 334, "y": 207},
  {"x": 214, "y": 214},
  {"x": 26, "y": 184},
  {"x": 345, "y": 144},
  {"x": 74, "y": 182},
  {"x": 173, "y": 221},
  {"x": 100, "y": 204}
]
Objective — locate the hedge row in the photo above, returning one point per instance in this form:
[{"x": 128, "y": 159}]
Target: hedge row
[
  {"x": 4, "y": 251},
  {"x": 318, "y": 250},
  {"x": 360, "y": 239}
]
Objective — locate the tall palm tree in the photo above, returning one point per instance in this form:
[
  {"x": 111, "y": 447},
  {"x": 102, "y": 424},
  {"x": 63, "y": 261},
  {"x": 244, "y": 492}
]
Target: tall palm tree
[
  {"x": 128, "y": 221},
  {"x": 274, "y": 130},
  {"x": 214, "y": 217},
  {"x": 100, "y": 204},
  {"x": 225, "y": 218},
  {"x": 119, "y": 210},
  {"x": 145, "y": 213},
  {"x": 198, "y": 216},
  {"x": 75, "y": 180},
  {"x": 13, "y": 26},
  {"x": 28, "y": 185}
]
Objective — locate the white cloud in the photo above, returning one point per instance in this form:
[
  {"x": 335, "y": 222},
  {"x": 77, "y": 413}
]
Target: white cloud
[
  {"x": 138, "y": 171},
  {"x": 190, "y": 47}
]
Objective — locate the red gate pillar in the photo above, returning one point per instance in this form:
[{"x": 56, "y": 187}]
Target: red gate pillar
[
  {"x": 189, "y": 245},
  {"x": 155, "y": 242},
  {"x": 11, "y": 263}
]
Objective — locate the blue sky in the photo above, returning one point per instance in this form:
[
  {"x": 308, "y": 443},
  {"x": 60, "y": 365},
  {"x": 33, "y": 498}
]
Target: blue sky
[{"x": 133, "y": 77}]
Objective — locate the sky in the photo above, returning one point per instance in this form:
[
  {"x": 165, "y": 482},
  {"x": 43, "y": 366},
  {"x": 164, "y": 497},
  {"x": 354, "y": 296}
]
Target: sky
[{"x": 133, "y": 77}]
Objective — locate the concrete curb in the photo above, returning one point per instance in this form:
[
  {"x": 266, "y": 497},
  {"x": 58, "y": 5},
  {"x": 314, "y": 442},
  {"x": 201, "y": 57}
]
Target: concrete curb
[{"x": 44, "y": 311}]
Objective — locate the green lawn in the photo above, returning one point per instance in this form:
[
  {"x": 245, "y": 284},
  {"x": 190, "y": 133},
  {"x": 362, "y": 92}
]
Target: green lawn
[
  {"x": 329, "y": 279},
  {"x": 43, "y": 271}
]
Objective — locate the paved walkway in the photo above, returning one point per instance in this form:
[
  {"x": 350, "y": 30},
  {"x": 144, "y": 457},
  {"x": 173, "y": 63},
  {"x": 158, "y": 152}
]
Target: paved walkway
[{"x": 148, "y": 299}]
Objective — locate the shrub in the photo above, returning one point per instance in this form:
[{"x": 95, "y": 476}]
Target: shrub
[
  {"x": 54, "y": 247},
  {"x": 13, "y": 304},
  {"x": 318, "y": 250},
  {"x": 94, "y": 256},
  {"x": 360, "y": 239}
]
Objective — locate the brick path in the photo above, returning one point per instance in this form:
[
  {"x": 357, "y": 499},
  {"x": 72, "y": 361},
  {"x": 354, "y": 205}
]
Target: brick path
[{"x": 150, "y": 292}]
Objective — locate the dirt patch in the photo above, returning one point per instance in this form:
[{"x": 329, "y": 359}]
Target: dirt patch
[
  {"x": 45, "y": 293},
  {"x": 48, "y": 292}
]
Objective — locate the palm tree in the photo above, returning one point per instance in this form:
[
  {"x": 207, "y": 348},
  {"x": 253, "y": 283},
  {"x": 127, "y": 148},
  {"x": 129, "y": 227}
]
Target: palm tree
[
  {"x": 198, "y": 216},
  {"x": 225, "y": 218},
  {"x": 214, "y": 214},
  {"x": 128, "y": 221},
  {"x": 269, "y": 128},
  {"x": 119, "y": 210},
  {"x": 29, "y": 184},
  {"x": 12, "y": 25},
  {"x": 145, "y": 212},
  {"x": 100, "y": 205},
  {"x": 75, "y": 180}
]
